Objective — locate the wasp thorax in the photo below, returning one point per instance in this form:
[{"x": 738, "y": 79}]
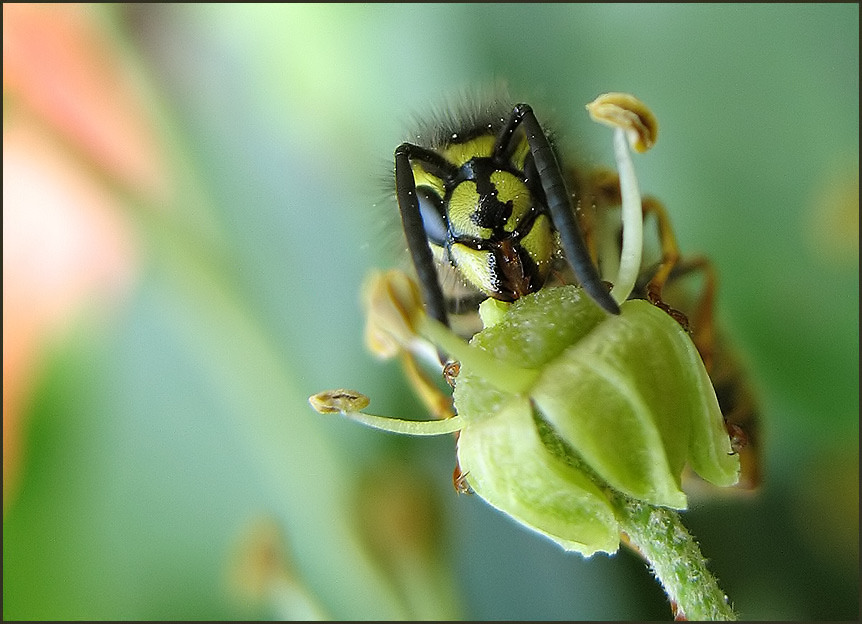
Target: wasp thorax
[{"x": 499, "y": 237}]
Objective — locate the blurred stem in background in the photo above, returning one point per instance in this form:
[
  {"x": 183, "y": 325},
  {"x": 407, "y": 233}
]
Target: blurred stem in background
[{"x": 101, "y": 195}]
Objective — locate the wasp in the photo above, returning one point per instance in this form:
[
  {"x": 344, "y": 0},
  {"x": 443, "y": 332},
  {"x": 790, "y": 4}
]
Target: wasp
[
  {"x": 490, "y": 198},
  {"x": 487, "y": 207}
]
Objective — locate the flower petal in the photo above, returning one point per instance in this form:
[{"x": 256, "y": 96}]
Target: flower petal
[{"x": 506, "y": 463}]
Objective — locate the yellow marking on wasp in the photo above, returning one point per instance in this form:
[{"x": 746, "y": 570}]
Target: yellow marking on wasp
[
  {"x": 423, "y": 178},
  {"x": 459, "y": 153},
  {"x": 474, "y": 266},
  {"x": 540, "y": 243},
  {"x": 511, "y": 189},
  {"x": 463, "y": 205},
  {"x": 520, "y": 154}
]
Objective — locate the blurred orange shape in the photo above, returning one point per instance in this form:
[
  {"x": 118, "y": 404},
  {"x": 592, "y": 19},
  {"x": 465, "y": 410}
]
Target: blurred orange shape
[
  {"x": 65, "y": 246},
  {"x": 60, "y": 63},
  {"x": 77, "y": 139}
]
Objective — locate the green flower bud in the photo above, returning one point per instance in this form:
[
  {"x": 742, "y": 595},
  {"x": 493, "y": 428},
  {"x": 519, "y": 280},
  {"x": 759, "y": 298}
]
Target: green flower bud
[
  {"x": 558, "y": 402},
  {"x": 628, "y": 395}
]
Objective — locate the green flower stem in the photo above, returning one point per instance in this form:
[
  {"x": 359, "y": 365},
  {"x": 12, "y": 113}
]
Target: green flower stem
[
  {"x": 661, "y": 539},
  {"x": 674, "y": 557}
]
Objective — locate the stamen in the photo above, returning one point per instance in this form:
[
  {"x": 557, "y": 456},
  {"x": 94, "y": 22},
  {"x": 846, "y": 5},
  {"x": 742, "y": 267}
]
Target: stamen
[
  {"x": 349, "y": 402},
  {"x": 634, "y": 124},
  {"x": 632, "y": 218}
]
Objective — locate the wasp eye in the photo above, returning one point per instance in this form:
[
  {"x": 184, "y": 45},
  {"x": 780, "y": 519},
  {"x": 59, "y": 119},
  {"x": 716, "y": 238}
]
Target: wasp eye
[{"x": 431, "y": 209}]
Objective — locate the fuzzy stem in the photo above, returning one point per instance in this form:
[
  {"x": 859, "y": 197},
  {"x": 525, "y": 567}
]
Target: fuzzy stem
[
  {"x": 674, "y": 557},
  {"x": 658, "y": 535}
]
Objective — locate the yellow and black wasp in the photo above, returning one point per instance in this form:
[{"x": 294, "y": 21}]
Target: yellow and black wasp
[
  {"x": 483, "y": 195},
  {"x": 490, "y": 197}
]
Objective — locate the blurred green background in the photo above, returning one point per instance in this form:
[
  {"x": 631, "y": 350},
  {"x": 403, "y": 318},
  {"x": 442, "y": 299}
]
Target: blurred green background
[{"x": 167, "y": 449}]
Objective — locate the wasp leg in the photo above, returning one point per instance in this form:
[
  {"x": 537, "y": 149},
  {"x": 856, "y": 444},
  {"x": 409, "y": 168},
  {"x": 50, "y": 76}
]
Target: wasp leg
[
  {"x": 669, "y": 259},
  {"x": 459, "y": 480}
]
